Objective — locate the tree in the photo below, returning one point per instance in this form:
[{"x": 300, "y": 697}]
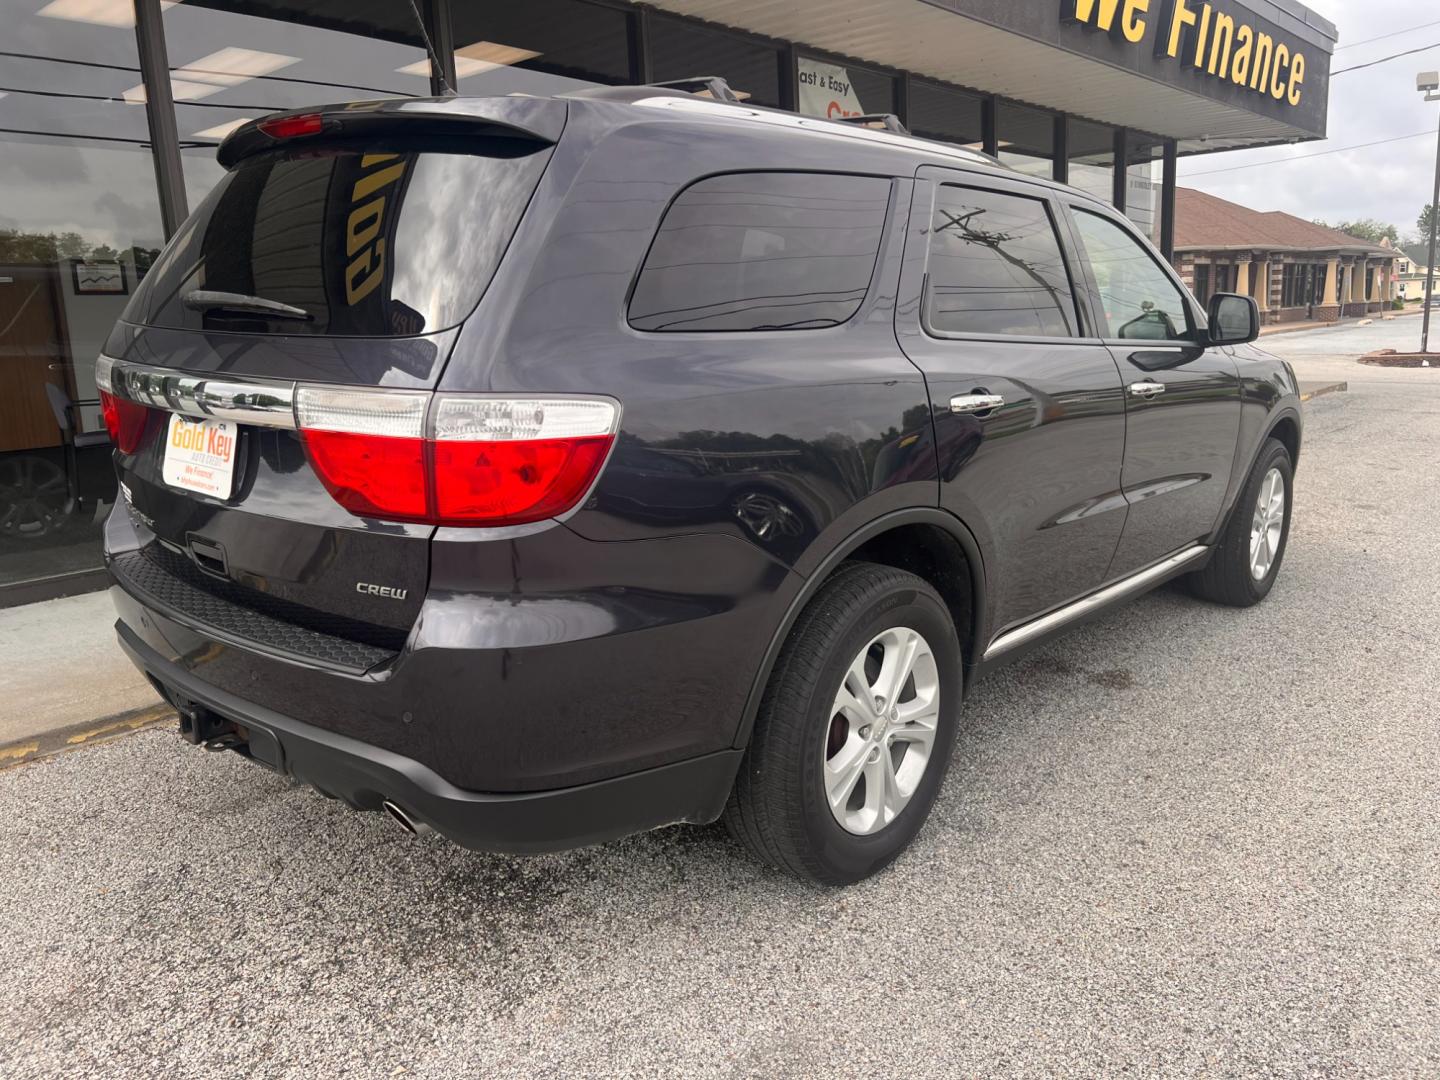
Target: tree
[
  {"x": 1427, "y": 215},
  {"x": 1366, "y": 229}
]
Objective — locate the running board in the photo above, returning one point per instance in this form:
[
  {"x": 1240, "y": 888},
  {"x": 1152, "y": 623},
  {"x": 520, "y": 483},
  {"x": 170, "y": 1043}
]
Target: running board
[{"x": 1086, "y": 605}]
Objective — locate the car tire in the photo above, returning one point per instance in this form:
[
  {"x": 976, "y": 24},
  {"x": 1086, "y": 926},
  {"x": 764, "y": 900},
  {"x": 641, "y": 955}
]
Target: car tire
[
  {"x": 816, "y": 731},
  {"x": 1233, "y": 575}
]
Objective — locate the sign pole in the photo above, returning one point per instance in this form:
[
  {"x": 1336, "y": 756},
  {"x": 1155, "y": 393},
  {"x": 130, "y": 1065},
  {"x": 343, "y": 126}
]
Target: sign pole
[{"x": 1430, "y": 261}]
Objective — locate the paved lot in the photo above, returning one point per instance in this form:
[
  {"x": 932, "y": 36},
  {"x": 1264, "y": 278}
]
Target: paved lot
[
  {"x": 1183, "y": 841},
  {"x": 64, "y": 667}
]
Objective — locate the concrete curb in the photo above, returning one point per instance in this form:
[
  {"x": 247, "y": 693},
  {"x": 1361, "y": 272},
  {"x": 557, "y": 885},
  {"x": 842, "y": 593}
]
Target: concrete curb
[
  {"x": 75, "y": 736},
  {"x": 1280, "y": 329},
  {"x": 1315, "y": 390}
]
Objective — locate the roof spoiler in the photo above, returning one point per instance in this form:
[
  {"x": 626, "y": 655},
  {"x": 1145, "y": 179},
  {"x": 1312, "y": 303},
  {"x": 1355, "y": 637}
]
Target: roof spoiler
[{"x": 535, "y": 120}]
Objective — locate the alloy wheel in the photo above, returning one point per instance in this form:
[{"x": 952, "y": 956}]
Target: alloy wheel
[
  {"x": 1266, "y": 525},
  {"x": 34, "y": 497},
  {"x": 882, "y": 730}
]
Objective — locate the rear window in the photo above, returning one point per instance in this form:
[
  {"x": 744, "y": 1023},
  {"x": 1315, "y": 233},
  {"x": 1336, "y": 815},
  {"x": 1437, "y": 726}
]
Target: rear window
[
  {"x": 356, "y": 243},
  {"x": 762, "y": 251}
]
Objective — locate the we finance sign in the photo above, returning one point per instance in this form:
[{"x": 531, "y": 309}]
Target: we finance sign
[{"x": 1221, "y": 43}]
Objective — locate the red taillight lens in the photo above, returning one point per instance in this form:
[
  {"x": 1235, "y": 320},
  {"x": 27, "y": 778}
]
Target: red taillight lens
[
  {"x": 371, "y": 475},
  {"x": 125, "y": 420},
  {"x": 509, "y": 483},
  {"x": 290, "y": 127},
  {"x": 487, "y": 461}
]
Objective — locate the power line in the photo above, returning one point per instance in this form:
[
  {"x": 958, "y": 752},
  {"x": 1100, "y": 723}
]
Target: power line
[
  {"x": 1382, "y": 37},
  {"x": 1387, "y": 59},
  {"x": 1302, "y": 157}
]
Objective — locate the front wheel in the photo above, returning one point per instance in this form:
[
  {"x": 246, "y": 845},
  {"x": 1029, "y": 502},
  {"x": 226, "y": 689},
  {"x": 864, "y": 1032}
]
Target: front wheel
[
  {"x": 855, "y": 730},
  {"x": 1247, "y": 555}
]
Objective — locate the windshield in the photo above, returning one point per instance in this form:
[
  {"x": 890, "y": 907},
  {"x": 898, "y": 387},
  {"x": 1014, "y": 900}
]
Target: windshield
[{"x": 343, "y": 242}]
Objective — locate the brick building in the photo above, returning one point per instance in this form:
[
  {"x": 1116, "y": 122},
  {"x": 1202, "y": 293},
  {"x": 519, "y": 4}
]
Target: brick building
[{"x": 1312, "y": 272}]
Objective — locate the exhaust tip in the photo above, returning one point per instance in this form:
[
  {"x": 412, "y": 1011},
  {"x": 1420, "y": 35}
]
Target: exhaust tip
[{"x": 405, "y": 821}]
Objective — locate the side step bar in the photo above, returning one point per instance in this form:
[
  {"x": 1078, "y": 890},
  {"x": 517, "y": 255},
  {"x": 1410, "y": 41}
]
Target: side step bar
[{"x": 1086, "y": 605}]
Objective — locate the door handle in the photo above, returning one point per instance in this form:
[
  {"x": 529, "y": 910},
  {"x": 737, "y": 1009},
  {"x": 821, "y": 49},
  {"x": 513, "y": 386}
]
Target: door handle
[
  {"x": 975, "y": 403},
  {"x": 1146, "y": 389}
]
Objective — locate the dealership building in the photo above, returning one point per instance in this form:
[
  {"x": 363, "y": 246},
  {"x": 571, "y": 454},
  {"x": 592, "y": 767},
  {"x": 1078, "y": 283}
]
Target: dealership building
[{"x": 110, "y": 112}]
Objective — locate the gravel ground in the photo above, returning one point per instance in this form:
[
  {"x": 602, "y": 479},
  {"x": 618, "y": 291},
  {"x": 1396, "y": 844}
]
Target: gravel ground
[{"x": 1181, "y": 841}]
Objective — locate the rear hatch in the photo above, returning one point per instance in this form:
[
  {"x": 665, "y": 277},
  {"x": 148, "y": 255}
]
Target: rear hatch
[{"x": 342, "y": 249}]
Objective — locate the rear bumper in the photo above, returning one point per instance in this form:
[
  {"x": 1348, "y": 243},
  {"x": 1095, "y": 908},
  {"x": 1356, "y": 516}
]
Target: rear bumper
[
  {"x": 515, "y": 677},
  {"x": 364, "y": 776}
]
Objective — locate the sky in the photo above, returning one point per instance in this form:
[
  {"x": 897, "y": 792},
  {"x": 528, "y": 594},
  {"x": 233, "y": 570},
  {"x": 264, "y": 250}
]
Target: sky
[{"x": 1390, "y": 182}]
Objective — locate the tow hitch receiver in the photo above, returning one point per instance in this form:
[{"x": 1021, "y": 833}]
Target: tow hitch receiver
[
  {"x": 207, "y": 728},
  {"x": 200, "y": 726}
]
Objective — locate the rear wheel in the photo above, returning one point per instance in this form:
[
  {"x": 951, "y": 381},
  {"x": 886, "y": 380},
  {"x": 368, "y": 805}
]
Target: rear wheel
[
  {"x": 34, "y": 497},
  {"x": 1247, "y": 556},
  {"x": 854, "y": 734}
]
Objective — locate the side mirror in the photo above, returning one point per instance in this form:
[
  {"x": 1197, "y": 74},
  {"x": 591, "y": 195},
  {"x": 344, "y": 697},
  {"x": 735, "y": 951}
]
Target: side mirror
[{"x": 1234, "y": 319}]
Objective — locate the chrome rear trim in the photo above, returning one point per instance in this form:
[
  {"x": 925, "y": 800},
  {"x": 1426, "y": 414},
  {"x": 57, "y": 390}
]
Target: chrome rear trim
[
  {"x": 260, "y": 402},
  {"x": 1125, "y": 587}
]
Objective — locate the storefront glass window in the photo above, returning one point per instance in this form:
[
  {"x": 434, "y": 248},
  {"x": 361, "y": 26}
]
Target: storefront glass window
[
  {"x": 539, "y": 46},
  {"x": 1143, "y": 183},
  {"x": 1025, "y": 138},
  {"x": 79, "y": 226},
  {"x": 834, "y": 88},
  {"x": 1092, "y": 158},
  {"x": 1202, "y": 288},
  {"x": 940, "y": 112},
  {"x": 684, "y": 50},
  {"x": 233, "y": 60}
]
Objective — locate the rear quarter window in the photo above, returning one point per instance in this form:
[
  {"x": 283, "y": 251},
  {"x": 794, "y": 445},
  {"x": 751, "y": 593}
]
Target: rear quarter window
[{"x": 762, "y": 251}]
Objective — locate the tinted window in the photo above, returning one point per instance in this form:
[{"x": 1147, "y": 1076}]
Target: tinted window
[
  {"x": 1137, "y": 299},
  {"x": 364, "y": 244},
  {"x": 762, "y": 251},
  {"x": 996, "y": 267}
]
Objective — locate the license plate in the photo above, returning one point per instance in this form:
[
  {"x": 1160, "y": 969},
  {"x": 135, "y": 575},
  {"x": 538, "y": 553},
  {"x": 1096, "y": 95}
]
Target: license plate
[{"x": 200, "y": 456}]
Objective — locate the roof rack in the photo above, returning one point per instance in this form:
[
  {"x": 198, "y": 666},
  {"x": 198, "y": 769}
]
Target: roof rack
[
  {"x": 884, "y": 121},
  {"x": 701, "y": 85},
  {"x": 712, "y": 94}
]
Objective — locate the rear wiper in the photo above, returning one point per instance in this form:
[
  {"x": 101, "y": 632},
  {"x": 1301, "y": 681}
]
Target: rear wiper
[{"x": 206, "y": 300}]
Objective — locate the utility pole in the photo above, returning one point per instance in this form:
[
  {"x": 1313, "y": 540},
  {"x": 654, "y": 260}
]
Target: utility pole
[{"x": 1428, "y": 83}]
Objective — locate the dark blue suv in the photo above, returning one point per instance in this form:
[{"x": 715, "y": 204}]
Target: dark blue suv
[{"x": 541, "y": 470}]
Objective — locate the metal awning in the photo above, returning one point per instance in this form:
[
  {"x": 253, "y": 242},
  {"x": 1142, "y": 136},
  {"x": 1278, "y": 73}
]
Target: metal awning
[{"x": 1035, "y": 51}]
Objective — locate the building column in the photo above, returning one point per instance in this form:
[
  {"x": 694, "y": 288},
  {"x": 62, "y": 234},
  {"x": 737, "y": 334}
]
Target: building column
[
  {"x": 160, "y": 114},
  {"x": 1328, "y": 310},
  {"x": 1168, "y": 171},
  {"x": 1262, "y": 288},
  {"x": 1242, "y": 276}
]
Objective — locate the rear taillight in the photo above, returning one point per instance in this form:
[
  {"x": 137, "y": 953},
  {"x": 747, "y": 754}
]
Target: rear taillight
[
  {"x": 474, "y": 461},
  {"x": 125, "y": 420}
]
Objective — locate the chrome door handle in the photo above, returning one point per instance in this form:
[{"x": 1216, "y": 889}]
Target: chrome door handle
[
  {"x": 975, "y": 403},
  {"x": 1146, "y": 389}
]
